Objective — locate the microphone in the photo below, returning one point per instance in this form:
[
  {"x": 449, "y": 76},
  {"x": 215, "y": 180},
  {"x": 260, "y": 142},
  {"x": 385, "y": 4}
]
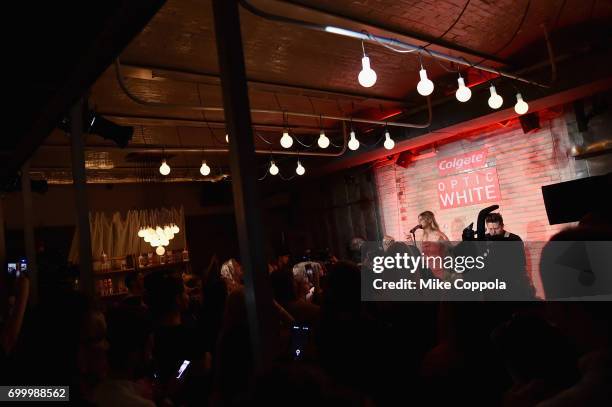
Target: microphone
[{"x": 415, "y": 228}]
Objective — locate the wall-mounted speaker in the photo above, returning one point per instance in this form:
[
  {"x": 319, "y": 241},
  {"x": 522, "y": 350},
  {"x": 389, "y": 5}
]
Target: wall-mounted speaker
[
  {"x": 530, "y": 122},
  {"x": 404, "y": 159}
]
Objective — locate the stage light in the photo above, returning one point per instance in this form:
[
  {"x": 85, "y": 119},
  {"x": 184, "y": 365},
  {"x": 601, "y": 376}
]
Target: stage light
[{"x": 120, "y": 135}]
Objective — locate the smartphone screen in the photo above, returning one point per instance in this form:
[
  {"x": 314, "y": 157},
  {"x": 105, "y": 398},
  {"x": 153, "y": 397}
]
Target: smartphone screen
[
  {"x": 299, "y": 340},
  {"x": 309, "y": 273},
  {"x": 182, "y": 368},
  {"x": 12, "y": 269},
  {"x": 23, "y": 266}
]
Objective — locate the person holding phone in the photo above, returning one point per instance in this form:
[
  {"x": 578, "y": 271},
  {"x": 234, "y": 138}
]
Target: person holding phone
[{"x": 10, "y": 330}]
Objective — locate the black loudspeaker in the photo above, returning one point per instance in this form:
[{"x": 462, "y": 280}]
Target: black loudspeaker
[
  {"x": 530, "y": 122},
  {"x": 404, "y": 159},
  {"x": 570, "y": 201}
]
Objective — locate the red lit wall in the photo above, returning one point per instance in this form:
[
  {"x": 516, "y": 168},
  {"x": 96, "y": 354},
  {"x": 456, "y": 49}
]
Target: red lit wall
[{"x": 524, "y": 162}]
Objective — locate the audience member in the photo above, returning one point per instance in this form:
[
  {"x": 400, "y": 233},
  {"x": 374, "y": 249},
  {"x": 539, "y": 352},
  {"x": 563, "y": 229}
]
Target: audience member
[{"x": 130, "y": 335}]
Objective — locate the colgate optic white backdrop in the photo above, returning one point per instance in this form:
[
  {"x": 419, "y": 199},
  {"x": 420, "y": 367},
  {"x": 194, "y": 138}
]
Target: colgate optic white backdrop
[{"x": 524, "y": 162}]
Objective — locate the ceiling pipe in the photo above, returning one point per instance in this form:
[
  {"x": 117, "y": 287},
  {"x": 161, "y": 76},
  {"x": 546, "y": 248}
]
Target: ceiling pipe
[
  {"x": 148, "y": 103},
  {"x": 156, "y": 74},
  {"x": 375, "y": 39},
  {"x": 200, "y": 150},
  {"x": 170, "y": 122},
  {"x": 440, "y": 42}
]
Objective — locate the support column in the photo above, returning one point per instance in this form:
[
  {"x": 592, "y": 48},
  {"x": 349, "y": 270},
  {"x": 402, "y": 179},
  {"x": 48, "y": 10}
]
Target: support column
[
  {"x": 260, "y": 309},
  {"x": 86, "y": 281},
  {"x": 3, "y": 288},
  {"x": 28, "y": 232}
]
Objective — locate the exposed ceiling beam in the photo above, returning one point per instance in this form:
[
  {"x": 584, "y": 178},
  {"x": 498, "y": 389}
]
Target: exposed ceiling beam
[{"x": 126, "y": 20}]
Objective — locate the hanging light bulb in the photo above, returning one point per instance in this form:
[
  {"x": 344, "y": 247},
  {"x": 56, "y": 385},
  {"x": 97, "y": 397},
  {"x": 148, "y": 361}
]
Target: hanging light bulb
[
  {"x": 164, "y": 168},
  {"x": 175, "y": 229},
  {"x": 168, "y": 232},
  {"x": 273, "y": 168},
  {"x": 300, "y": 170},
  {"x": 495, "y": 101},
  {"x": 141, "y": 232},
  {"x": 367, "y": 76},
  {"x": 155, "y": 242},
  {"x": 226, "y": 138},
  {"x": 389, "y": 143},
  {"x": 521, "y": 106},
  {"x": 353, "y": 143},
  {"x": 463, "y": 93},
  {"x": 323, "y": 140},
  {"x": 425, "y": 86},
  {"x": 286, "y": 141},
  {"x": 164, "y": 242},
  {"x": 204, "y": 169},
  {"x": 160, "y": 250}
]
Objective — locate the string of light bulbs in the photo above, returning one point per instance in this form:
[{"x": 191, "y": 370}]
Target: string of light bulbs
[{"x": 367, "y": 78}]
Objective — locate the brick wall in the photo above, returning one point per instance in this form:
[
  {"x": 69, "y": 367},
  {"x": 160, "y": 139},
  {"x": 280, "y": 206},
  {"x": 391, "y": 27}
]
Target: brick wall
[{"x": 523, "y": 162}]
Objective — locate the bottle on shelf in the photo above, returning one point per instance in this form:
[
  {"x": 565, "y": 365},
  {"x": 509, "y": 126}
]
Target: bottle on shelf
[
  {"x": 104, "y": 262},
  {"x": 142, "y": 262},
  {"x": 149, "y": 258},
  {"x": 169, "y": 256},
  {"x": 185, "y": 254}
]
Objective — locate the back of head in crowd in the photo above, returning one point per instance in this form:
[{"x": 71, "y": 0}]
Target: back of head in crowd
[
  {"x": 131, "y": 342},
  {"x": 166, "y": 294}
]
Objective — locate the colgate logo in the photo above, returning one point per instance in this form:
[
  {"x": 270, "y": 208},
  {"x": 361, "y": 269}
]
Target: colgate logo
[{"x": 474, "y": 159}]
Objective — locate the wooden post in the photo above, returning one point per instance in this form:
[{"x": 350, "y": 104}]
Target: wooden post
[
  {"x": 86, "y": 281},
  {"x": 263, "y": 324},
  {"x": 28, "y": 232}
]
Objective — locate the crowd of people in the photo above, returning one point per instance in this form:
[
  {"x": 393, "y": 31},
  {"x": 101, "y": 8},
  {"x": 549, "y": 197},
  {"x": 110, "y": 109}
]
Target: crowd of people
[{"x": 184, "y": 340}]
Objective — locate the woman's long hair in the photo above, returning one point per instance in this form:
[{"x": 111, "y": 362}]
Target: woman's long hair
[{"x": 431, "y": 218}]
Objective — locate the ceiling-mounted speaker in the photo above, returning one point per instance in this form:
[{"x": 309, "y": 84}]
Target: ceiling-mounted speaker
[
  {"x": 530, "y": 122},
  {"x": 404, "y": 159}
]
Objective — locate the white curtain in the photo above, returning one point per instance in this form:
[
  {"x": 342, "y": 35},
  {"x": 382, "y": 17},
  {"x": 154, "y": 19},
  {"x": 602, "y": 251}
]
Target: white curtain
[{"x": 117, "y": 235}]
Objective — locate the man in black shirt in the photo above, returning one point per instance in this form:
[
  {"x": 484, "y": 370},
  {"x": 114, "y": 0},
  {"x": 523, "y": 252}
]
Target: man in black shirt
[
  {"x": 507, "y": 261},
  {"x": 495, "y": 229}
]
